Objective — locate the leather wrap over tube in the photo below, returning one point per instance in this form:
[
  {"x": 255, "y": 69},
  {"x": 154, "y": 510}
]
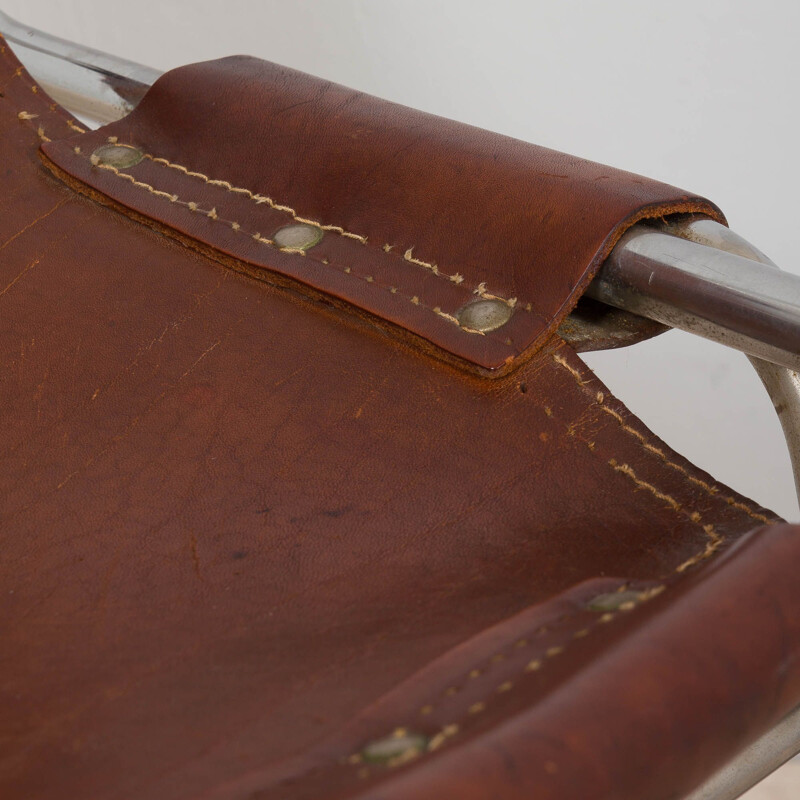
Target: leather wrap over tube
[
  {"x": 253, "y": 536},
  {"x": 422, "y": 215}
]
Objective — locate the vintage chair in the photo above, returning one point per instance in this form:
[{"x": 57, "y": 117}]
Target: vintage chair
[{"x": 305, "y": 490}]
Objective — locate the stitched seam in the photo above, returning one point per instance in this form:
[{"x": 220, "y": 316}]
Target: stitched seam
[
  {"x": 525, "y": 642},
  {"x": 259, "y": 199},
  {"x": 237, "y": 228},
  {"x": 25, "y": 116},
  {"x": 19, "y": 71},
  {"x": 713, "y": 543},
  {"x": 649, "y": 447},
  {"x": 714, "y": 539},
  {"x": 448, "y": 731}
]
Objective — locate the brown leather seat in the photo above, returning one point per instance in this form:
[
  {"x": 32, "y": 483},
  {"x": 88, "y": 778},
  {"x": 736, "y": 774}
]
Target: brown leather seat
[{"x": 277, "y": 523}]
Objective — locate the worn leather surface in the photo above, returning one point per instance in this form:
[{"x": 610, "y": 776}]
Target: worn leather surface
[
  {"x": 421, "y": 213},
  {"x": 246, "y": 529}
]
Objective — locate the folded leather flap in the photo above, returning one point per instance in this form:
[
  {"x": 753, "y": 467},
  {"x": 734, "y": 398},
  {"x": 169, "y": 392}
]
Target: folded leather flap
[
  {"x": 420, "y": 215},
  {"x": 583, "y": 696}
]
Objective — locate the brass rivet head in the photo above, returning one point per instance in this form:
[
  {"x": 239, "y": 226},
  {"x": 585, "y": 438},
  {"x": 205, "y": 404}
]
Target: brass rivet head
[
  {"x": 120, "y": 156},
  {"x": 614, "y": 601},
  {"x": 401, "y": 746},
  {"x": 484, "y": 315},
  {"x": 298, "y": 237}
]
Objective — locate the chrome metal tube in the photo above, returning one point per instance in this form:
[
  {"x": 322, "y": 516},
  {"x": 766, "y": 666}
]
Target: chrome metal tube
[
  {"x": 728, "y": 298},
  {"x": 762, "y": 758},
  {"x": 95, "y": 86}
]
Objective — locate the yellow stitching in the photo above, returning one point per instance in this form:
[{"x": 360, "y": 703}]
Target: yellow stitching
[
  {"x": 707, "y": 487},
  {"x": 213, "y": 215},
  {"x": 25, "y": 116},
  {"x": 257, "y": 198},
  {"x": 173, "y": 198},
  {"x": 714, "y": 539},
  {"x": 481, "y": 292},
  {"x": 575, "y": 374},
  {"x": 456, "y": 278},
  {"x": 429, "y": 265},
  {"x": 448, "y": 731},
  {"x": 448, "y": 317},
  {"x": 530, "y": 640},
  {"x": 626, "y": 470},
  {"x": 742, "y": 507}
]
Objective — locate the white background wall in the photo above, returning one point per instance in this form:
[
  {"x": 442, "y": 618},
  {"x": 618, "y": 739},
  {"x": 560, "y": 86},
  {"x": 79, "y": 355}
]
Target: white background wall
[{"x": 700, "y": 94}]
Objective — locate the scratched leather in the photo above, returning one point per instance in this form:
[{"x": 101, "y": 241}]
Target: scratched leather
[
  {"x": 245, "y": 531},
  {"x": 421, "y": 212}
]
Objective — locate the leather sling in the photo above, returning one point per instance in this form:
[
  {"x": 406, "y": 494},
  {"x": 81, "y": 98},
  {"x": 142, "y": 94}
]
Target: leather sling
[{"x": 276, "y": 523}]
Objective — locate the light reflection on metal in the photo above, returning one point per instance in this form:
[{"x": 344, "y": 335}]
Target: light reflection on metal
[
  {"x": 95, "y": 86},
  {"x": 782, "y": 383},
  {"x": 755, "y": 763},
  {"x": 727, "y": 298}
]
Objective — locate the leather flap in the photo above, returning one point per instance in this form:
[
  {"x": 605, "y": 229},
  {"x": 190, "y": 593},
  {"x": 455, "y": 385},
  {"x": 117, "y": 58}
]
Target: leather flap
[{"x": 420, "y": 215}]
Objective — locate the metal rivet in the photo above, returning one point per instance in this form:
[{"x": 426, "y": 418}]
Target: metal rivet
[
  {"x": 484, "y": 315},
  {"x": 614, "y": 601},
  {"x": 400, "y": 746},
  {"x": 120, "y": 156},
  {"x": 298, "y": 237}
]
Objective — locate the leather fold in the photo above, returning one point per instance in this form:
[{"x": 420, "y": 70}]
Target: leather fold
[
  {"x": 420, "y": 215},
  {"x": 634, "y": 720}
]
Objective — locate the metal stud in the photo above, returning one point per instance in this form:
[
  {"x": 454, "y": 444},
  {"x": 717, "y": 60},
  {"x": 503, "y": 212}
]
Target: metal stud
[
  {"x": 298, "y": 237},
  {"x": 615, "y": 601},
  {"x": 484, "y": 315},
  {"x": 120, "y": 156},
  {"x": 401, "y": 746}
]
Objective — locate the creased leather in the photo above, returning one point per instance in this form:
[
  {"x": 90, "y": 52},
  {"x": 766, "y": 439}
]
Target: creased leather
[
  {"x": 422, "y": 213},
  {"x": 245, "y": 532}
]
